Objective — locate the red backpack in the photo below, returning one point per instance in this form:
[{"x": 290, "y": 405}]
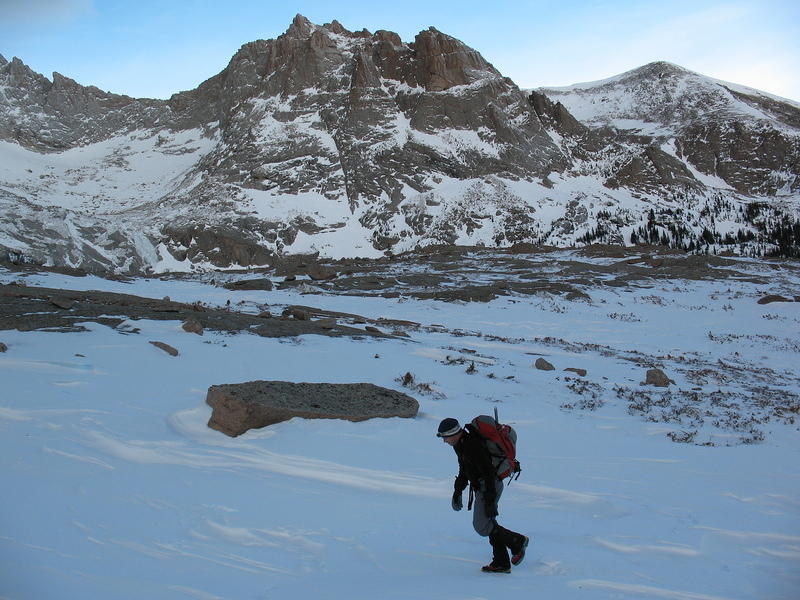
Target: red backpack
[{"x": 501, "y": 441}]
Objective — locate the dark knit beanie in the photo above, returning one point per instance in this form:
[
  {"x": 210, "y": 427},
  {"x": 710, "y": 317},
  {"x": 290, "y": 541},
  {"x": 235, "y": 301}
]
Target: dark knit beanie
[{"x": 448, "y": 427}]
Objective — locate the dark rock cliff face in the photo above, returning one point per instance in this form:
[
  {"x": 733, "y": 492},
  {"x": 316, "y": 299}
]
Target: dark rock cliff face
[
  {"x": 753, "y": 159},
  {"x": 556, "y": 115},
  {"x": 652, "y": 169},
  {"x": 349, "y": 142}
]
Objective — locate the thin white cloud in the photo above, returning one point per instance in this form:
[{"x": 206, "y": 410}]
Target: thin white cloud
[{"x": 17, "y": 11}]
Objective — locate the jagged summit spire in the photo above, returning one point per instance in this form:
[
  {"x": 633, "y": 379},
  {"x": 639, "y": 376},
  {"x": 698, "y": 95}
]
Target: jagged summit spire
[
  {"x": 3, "y": 60},
  {"x": 300, "y": 27},
  {"x": 337, "y": 27}
]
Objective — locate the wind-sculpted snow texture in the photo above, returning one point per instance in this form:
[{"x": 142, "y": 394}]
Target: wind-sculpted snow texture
[
  {"x": 115, "y": 487},
  {"x": 352, "y": 144}
]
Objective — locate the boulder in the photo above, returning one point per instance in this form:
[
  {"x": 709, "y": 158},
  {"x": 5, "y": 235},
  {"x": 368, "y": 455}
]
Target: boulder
[
  {"x": 262, "y": 284},
  {"x": 3, "y": 347},
  {"x": 240, "y": 407},
  {"x": 580, "y": 372},
  {"x": 578, "y": 295},
  {"x": 64, "y": 303},
  {"x": 296, "y": 313},
  {"x": 657, "y": 377},
  {"x": 320, "y": 273},
  {"x": 166, "y": 348},
  {"x": 543, "y": 365},
  {"x": 191, "y": 325},
  {"x": 327, "y": 323},
  {"x": 770, "y": 298}
]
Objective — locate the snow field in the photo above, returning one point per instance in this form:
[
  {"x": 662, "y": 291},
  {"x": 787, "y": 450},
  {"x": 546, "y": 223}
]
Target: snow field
[
  {"x": 106, "y": 177},
  {"x": 115, "y": 487}
]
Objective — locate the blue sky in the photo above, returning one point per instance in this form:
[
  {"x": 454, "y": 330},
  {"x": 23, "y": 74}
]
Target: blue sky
[{"x": 150, "y": 48}]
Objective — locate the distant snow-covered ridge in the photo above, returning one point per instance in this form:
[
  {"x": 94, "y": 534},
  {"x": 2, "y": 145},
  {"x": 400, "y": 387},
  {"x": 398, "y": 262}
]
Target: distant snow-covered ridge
[
  {"x": 671, "y": 97},
  {"x": 357, "y": 144}
]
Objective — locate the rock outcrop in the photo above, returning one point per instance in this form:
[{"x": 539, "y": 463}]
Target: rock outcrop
[
  {"x": 28, "y": 308},
  {"x": 657, "y": 378},
  {"x": 192, "y": 325},
  {"x": 240, "y": 407},
  {"x": 166, "y": 348},
  {"x": 770, "y": 298}
]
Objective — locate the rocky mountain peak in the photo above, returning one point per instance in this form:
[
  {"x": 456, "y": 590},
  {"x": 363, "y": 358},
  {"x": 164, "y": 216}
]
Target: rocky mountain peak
[
  {"x": 66, "y": 85},
  {"x": 661, "y": 93},
  {"x": 445, "y": 62},
  {"x": 337, "y": 28},
  {"x": 3, "y": 60},
  {"x": 720, "y": 129},
  {"x": 19, "y": 75},
  {"x": 658, "y": 69},
  {"x": 300, "y": 28}
]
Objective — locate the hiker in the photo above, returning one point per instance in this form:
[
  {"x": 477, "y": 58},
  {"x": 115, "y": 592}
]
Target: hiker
[{"x": 475, "y": 468}]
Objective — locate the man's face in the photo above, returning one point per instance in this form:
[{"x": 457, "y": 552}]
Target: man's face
[{"x": 452, "y": 439}]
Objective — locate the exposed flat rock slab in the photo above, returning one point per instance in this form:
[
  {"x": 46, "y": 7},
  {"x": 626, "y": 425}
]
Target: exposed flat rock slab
[
  {"x": 28, "y": 308},
  {"x": 239, "y": 407}
]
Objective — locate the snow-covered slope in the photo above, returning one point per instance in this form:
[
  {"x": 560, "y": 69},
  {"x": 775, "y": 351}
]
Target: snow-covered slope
[
  {"x": 725, "y": 133},
  {"x": 113, "y": 486},
  {"x": 660, "y": 98}
]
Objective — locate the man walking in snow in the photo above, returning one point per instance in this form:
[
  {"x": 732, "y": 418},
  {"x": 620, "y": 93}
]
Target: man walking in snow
[{"x": 476, "y": 469}]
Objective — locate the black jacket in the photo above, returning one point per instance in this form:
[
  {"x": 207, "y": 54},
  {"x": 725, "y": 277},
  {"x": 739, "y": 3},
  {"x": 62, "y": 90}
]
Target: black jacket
[{"x": 474, "y": 463}]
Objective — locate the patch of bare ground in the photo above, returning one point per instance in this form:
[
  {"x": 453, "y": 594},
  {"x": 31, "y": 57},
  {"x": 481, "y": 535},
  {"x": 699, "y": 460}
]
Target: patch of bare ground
[
  {"x": 589, "y": 394},
  {"x": 29, "y": 308},
  {"x": 409, "y": 381},
  {"x": 732, "y": 401},
  {"x": 477, "y": 274}
]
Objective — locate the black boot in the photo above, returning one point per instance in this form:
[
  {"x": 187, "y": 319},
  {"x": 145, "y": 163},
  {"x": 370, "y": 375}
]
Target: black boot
[
  {"x": 518, "y": 551},
  {"x": 500, "y": 562},
  {"x": 516, "y": 542}
]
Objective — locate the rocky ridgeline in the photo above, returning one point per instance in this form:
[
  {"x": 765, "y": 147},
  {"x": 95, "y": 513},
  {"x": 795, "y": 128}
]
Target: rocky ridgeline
[
  {"x": 56, "y": 115},
  {"x": 742, "y": 136},
  {"x": 328, "y": 134}
]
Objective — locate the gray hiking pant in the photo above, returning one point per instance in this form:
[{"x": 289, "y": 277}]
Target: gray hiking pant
[{"x": 482, "y": 523}]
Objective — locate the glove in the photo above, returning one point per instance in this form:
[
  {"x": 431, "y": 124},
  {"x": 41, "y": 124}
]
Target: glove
[
  {"x": 456, "y": 503},
  {"x": 490, "y": 506}
]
